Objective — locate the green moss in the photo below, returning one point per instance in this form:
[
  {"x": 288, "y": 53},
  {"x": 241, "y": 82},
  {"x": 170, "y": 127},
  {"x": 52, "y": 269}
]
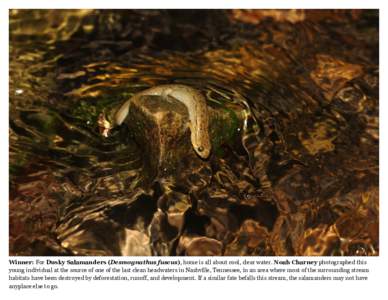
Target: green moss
[
  {"x": 45, "y": 122},
  {"x": 88, "y": 109},
  {"x": 224, "y": 129}
]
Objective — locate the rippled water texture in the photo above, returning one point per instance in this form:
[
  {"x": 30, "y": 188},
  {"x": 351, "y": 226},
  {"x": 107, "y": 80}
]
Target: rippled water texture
[{"x": 300, "y": 177}]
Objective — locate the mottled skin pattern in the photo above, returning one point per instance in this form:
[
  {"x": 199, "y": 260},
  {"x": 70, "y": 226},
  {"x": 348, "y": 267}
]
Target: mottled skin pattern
[{"x": 196, "y": 107}]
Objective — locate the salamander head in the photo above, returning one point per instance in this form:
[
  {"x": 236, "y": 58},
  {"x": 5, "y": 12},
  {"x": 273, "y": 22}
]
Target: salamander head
[
  {"x": 202, "y": 152},
  {"x": 203, "y": 148}
]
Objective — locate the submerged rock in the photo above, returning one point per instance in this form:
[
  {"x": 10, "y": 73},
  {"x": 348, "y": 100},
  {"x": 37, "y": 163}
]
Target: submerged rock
[{"x": 199, "y": 246}]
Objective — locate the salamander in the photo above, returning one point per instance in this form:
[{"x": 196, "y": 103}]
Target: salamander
[{"x": 196, "y": 106}]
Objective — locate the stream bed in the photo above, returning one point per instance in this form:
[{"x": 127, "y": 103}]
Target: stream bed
[{"x": 301, "y": 177}]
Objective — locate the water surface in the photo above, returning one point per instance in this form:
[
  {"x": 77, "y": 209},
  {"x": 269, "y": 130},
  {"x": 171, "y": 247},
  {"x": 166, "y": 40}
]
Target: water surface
[{"x": 300, "y": 179}]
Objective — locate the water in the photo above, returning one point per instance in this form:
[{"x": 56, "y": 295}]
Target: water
[{"x": 300, "y": 179}]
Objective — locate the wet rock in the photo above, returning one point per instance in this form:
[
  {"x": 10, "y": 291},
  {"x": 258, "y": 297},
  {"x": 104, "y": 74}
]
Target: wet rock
[
  {"x": 320, "y": 241},
  {"x": 332, "y": 74},
  {"x": 287, "y": 233},
  {"x": 135, "y": 243},
  {"x": 176, "y": 212},
  {"x": 161, "y": 129},
  {"x": 251, "y": 239},
  {"x": 257, "y": 16},
  {"x": 35, "y": 214},
  {"x": 93, "y": 239},
  {"x": 350, "y": 99},
  {"x": 199, "y": 246},
  {"x": 162, "y": 234}
]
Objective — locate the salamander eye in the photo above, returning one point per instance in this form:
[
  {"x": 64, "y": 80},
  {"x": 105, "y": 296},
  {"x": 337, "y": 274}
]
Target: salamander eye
[{"x": 200, "y": 149}]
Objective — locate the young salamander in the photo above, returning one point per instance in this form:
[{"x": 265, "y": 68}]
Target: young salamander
[{"x": 196, "y": 106}]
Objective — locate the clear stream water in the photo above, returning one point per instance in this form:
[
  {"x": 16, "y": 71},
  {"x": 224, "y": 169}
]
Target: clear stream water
[{"x": 300, "y": 179}]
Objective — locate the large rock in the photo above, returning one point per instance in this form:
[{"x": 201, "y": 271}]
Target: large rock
[{"x": 161, "y": 129}]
